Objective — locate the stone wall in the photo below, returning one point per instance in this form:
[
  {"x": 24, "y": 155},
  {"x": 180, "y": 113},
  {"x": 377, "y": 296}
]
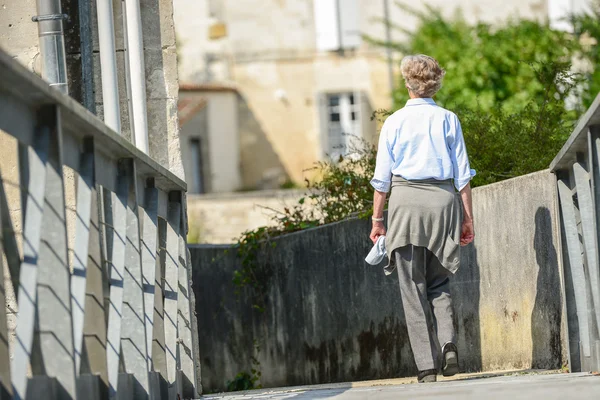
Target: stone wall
[
  {"x": 330, "y": 317},
  {"x": 222, "y": 218},
  {"x": 19, "y": 37}
]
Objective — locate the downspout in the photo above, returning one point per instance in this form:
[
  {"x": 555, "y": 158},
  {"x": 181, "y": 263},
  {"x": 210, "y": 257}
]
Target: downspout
[
  {"x": 127, "y": 71},
  {"x": 388, "y": 39},
  {"x": 340, "y": 29},
  {"x": 137, "y": 73},
  {"x": 52, "y": 43},
  {"x": 108, "y": 64}
]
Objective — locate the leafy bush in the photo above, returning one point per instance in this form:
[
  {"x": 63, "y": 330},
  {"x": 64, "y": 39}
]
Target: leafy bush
[
  {"x": 488, "y": 67},
  {"x": 504, "y": 144},
  {"x": 242, "y": 381}
]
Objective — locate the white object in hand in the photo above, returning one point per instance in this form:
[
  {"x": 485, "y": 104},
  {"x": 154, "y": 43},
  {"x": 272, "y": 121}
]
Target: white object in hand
[{"x": 377, "y": 253}]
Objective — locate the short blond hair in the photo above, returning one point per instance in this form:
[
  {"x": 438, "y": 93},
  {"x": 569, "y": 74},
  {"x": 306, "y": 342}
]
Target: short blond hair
[{"x": 423, "y": 74}]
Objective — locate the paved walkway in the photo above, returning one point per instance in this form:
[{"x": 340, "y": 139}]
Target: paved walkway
[{"x": 515, "y": 386}]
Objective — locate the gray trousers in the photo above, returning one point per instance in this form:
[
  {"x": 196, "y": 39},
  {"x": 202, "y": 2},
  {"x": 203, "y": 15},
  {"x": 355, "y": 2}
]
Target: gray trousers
[{"x": 425, "y": 287}]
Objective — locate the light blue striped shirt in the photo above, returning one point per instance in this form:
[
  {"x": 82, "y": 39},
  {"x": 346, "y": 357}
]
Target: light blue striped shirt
[{"x": 422, "y": 141}]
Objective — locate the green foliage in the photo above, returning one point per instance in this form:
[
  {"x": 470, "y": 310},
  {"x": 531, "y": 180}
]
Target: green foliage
[
  {"x": 245, "y": 380},
  {"x": 486, "y": 67},
  {"x": 511, "y": 85},
  {"x": 289, "y": 184},
  {"x": 195, "y": 232},
  {"x": 505, "y": 144},
  {"x": 242, "y": 381}
]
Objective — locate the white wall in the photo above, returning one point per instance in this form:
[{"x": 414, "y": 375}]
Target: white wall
[
  {"x": 223, "y": 218},
  {"x": 273, "y": 29},
  {"x": 217, "y": 127},
  {"x": 224, "y": 143}
]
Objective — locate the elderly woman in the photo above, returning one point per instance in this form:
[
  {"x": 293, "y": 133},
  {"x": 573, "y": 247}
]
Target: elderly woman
[{"x": 422, "y": 159}]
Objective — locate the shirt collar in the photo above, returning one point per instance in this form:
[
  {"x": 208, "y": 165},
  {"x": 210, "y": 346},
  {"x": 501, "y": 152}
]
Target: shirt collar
[{"x": 420, "y": 101}]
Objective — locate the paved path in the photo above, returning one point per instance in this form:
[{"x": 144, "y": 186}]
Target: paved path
[{"x": 581, "y": 386}]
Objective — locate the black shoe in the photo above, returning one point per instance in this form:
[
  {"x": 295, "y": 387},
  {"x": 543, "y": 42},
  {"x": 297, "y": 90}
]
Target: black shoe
[
  {"x": 427, "y": 376},
  {"x": 450, "y": 362}
]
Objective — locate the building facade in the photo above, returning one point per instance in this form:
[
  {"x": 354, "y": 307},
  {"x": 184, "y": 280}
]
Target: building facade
[{"x": 301, "y": 81}]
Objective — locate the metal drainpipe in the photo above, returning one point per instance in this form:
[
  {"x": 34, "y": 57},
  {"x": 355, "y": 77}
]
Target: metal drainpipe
[
  {"x": 137, "y": 73},
  {"x": 388, "y": 38},
  {"x": 52, "y": 43},
  {"x": 108, "y": 64}
]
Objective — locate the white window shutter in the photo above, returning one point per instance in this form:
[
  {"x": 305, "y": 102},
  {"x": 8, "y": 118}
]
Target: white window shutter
[
  {"x": 558, "y": 11},
  {"x": 326, "y": 25},
  {"x": 350, "y": 18}
]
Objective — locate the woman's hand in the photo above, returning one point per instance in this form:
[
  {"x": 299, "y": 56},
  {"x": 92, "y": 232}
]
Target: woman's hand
[
  {"x": 468, "y": 233},
  {"x": 377, "y": 230}
]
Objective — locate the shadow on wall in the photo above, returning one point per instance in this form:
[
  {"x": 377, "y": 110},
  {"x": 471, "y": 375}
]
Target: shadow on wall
[
  {"x": 466, "y": 296},
  {"x": 261, "y": 166},
  {"x": 546, "y": 315}
]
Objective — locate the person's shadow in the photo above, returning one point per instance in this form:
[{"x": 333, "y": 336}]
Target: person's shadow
[
  {"x": 546, "y": 314},
  {"x": 466, "y": 295}
]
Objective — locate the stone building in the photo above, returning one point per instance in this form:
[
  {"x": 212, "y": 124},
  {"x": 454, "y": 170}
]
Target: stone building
[
  {"x": 269, "y": 87},
  {"x": 19, "y": 38}
]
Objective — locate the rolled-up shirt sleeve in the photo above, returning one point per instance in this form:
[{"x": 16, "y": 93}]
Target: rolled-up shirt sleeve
[
  {"x": 460, "y": 160},
  {"x": 382, "y": 179}
]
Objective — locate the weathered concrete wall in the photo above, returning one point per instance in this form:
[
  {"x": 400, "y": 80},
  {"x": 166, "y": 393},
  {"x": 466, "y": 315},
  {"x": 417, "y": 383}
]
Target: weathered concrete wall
[
  {"x": 19, "y": 38},
  {"x": 18, "y": 34},
  {"x": 330, "y": 317},
  {"x": 222, "y": 218}
]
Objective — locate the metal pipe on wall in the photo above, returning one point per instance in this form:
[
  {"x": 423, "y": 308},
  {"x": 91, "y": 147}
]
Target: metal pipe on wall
[
  {"x": 137, "y": 73},
  {"x": 388, "y": 39},
  {"x": 108, "y": 64},
  {"x": 127, "y": 72},
  {"x": 52, "y": 43}
]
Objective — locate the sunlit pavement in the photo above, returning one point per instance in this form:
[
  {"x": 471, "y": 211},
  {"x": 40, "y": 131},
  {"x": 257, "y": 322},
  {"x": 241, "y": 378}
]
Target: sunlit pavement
[{"x": 512, "y": 386}]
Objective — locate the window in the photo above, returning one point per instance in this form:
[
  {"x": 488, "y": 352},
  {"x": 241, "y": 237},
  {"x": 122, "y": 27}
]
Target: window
[
  {"x": 337, "y": 24},
  {"x": 343, "y": 123}
]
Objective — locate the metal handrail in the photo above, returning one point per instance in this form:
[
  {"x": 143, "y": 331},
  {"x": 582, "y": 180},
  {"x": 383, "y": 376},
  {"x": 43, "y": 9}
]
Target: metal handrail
[
  {"x": 123, "y": 295},
  {"x": 577, "y": 169}
]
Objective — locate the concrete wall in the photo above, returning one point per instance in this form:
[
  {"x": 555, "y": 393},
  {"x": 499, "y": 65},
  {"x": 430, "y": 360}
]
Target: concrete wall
[
  {"x": 224, "y": 144},
  {"x": 220, "y": 219},
  {"x": 330, "y": 317}
]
